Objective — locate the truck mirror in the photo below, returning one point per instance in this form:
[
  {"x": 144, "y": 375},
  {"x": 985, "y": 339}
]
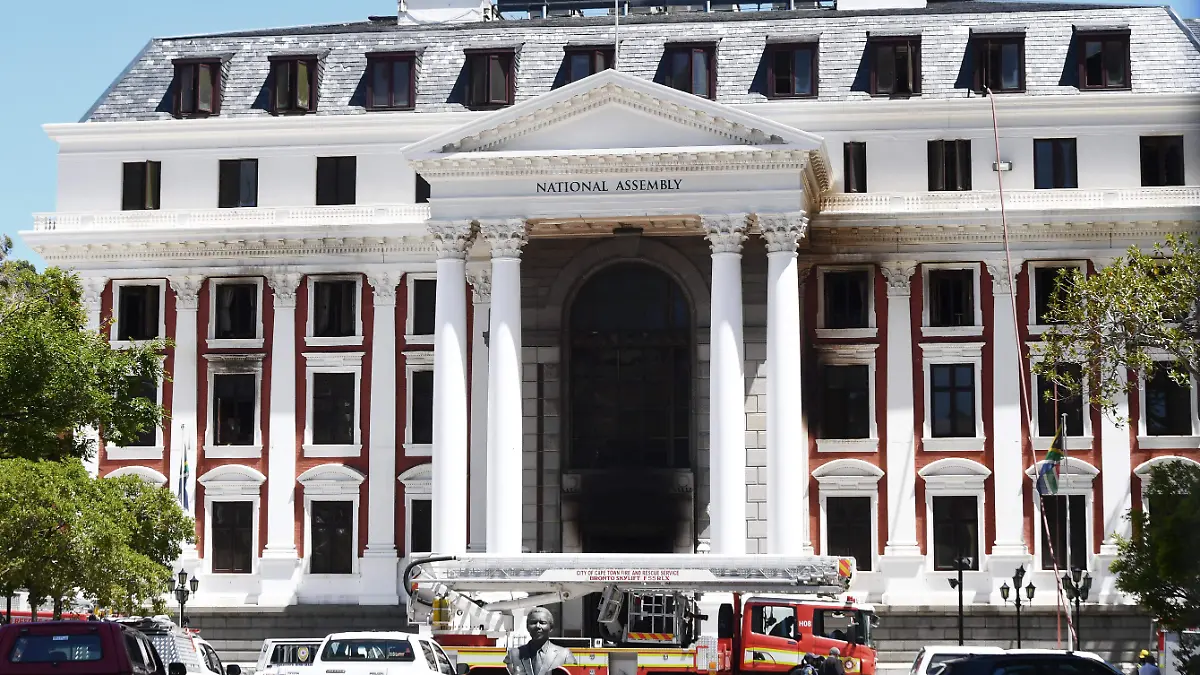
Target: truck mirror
[
  {"x": 233, "y": 669},
  {"x": 725, "y": 625},
  {"x": 176, "y": 669}
]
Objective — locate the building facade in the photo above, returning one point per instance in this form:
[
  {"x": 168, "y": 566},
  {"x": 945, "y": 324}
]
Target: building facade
[{"x": 727, "y": 281}]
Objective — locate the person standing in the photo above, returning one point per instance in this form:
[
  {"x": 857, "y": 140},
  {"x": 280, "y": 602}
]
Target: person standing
[
  {"x": 1148, "y": 666},
  {"x": 833, "y": 664}
]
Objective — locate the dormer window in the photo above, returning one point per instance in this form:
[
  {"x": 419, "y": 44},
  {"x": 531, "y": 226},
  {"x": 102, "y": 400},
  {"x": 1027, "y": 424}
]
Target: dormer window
[
  {"x": 586, "y": 61},
  {"x": 999, "y": 62},
  {"x": 197, "y": 87},
  {"x": 1103, "y": 59},
  {"x": 491, "y": 77},
  {"x": 691, "y": 68},
  {"x": 895, "y": 66},
  {"x": 792, "y": 70},
  {"x": 293, "y": 84},
  {"x": 391, "y": 84}
]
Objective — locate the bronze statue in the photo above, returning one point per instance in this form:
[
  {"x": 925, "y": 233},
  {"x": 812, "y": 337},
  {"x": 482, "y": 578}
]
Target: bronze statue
[{"x": 538, "y": 656}]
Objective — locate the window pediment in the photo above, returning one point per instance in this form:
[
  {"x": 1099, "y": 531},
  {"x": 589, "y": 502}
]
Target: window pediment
[
  {"x": 232, "y": 479},
  {"x": 1075, "y": 474},
  {"x": 145, "y": 473},
  {"x": 331, "y": 479},
  {"x": 954, "y": 473},
  {"x": 848, "y": 474}
]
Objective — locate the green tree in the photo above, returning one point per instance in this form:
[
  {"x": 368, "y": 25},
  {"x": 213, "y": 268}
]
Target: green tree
[
  {"x": 1157, "y": 565},
  {"x": 56, "y": 377},
  {"x": 1117, "y": 319}
]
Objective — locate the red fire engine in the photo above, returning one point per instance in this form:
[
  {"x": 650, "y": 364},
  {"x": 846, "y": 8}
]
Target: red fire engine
[{"x": 656, "y": 614}]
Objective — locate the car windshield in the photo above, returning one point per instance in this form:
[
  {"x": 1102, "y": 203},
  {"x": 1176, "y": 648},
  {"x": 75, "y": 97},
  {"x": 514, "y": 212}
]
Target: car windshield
[
  {"x": 293, "y": 655},
  {"x": 368, "y": 650},
  {"x": 51, "y": 648}
]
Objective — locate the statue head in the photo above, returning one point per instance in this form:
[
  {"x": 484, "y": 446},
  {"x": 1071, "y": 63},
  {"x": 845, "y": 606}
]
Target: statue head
[{"x": 539, "y": 623}]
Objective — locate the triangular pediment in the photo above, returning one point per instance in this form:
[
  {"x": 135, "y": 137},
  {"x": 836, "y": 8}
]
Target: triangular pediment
[{"x": 613, "y": 110}]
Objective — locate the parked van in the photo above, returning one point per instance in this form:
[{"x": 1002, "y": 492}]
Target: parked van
[
  {"x": 78, "y": 648},
  {"x": 381, "y": 653}
]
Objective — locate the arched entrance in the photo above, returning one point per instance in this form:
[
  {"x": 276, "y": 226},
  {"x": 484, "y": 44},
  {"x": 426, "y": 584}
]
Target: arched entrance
[{"x": 630, "y": 359}]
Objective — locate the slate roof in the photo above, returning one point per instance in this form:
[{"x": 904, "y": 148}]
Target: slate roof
[{"x": 1164, "y": 57}]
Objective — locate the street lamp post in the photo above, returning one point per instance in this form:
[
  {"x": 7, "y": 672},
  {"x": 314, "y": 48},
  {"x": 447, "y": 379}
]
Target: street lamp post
[
  {"x": 1018, "y": 577},
  {"x": 183, "y": 590},
  {"x": 960, "y": 563},
  {"x": 1077, "y": 585}
]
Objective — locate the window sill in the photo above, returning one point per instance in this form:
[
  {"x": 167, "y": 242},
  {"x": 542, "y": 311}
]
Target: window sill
[
  {"x": 128, "y": 344},
  {"x": 232, "y": 451},
  {"x": 1087, "y": 89},
  {"x": 953, "y": 444},
  {"x": 136, "y": 452},
  {"x": 246, "y": 343},
  {"x": 418, "y": 449},
  {"x": 348, "y": 341},
  {"x": 1042, "y": 443},
  {"x": 951, "y": 331},
  {"x": 847, "y": 444},
  {"x": 418, "y": 339},
  {"x": 1168, "y": 442},
  {"x": 390, "y": 108},
  {"x": 847, "y": 333},
  {"x": 311, "y": 450},
  {"x": 1039, "y": 328}
]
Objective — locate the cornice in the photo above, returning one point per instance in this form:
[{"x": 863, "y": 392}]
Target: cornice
[
  {"x": 255, "y": 219},
  {"x": 683, "y": 160},
  {"x": 242, "y": 249},
  {"x": 1039, "y": 201}
]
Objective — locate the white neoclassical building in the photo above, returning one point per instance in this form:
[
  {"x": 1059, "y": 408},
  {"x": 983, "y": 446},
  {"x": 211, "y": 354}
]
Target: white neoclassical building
[{"x": 727, "y": 281}]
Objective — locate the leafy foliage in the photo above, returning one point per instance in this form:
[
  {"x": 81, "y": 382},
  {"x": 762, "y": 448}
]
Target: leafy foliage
[
  {"x": 1118, "y": 318},
  {"x": 56, "y": 377},
  {"x": 65, "y": 533},
  {"x": 1158, "y": 564}
]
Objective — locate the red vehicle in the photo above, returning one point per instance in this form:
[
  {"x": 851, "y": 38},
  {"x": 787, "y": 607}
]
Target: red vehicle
[
  {"x": 25, "y": 616},
  {"x": 79, "y": 648},
  {"x": 657, "y": 613}
]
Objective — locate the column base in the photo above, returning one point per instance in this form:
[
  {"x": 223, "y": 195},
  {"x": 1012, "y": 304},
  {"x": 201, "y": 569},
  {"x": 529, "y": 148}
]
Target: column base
[
  {"x": 380, "y": 570},
  {"x": 279, "y": 570},
  {"x": 902, "y": 568}
]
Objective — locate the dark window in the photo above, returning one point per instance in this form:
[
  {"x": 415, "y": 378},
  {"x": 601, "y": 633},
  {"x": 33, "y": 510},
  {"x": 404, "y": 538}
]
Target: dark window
[
  {"x": 955, "y": 532},
  {"x": 234, "y": 419},
  {"x": 238, "y": 183},
  {"x": 952, "y": 399},
  {"x": 854, "y": 157},
  {"x": 1050, "y": 284},
  {"x": 294, "y": 85},
  {"x": 148, "y": 437},
  {"x": 845, "y": 401},
  {"x": 895, "y": 66},
  {"x": 336, "y": 179},
  {"x": 1162, "y": 160},
  {"x": 422, "y": 190},
  {"x": 1103, "y": 60},
  {"x": 1055, "y": 507},
  {"x": 949, "y": 165},
  {"x": 773, "y": 620},
  {"x": 138, "y": 312},
  {"x": 1000, "y": 63},
  {"x": 491, "y": 81},
  {"x": 421, "y": 522},
  {"x": 690, "y": 69},
  {"x": 236, "y": 311},
  {"x": 582, "y": 62},
  {"x": 1053, "y": 401},
  {"x": 63, "y": 646},
  {"x": 390, "y": 81},
  {"x": 791, "y": 71},
  {"x": 332, "y": 538},
  {"x": 424, "y": 299},
  {"x": 141, "y": 186},
  {"x": 1054, "y": 164},
  {"x": 368, "y": 649},
  {"x": 847, "y": 299},
  {"x": 849, "y": 534},
  {"x": 422, "y": 407},
  {"x": 335, "y": 308},
  {"x": 137, "y": 654},
  {"x": 1168, "y": 405},
  {"x": 951, "y": 298},
  {"x": 233, "y": 537},
  {"x": 333, "y": 408},
  {"x": 197, "y": 88}
]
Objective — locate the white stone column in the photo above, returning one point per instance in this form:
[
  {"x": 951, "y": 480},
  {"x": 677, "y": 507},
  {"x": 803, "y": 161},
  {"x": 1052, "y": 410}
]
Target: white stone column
[
  {"x": 450, "y": 388},
  {"x": 727, "y": 387},
  {"x": 481, "y": 297},
  {"x": 184, "y": 392},
  {"x": 504, "y": 474},
  {"x": 787, "y": 437},
  {"x": 279, "y": 561},
  {"x": 1008, "y": 470},
  {"x": 380, "y": 570},
  {"x": 93, "y": 292},
  {"x": 901, "y": 421},
  {"x": 1116, "y": 467}
]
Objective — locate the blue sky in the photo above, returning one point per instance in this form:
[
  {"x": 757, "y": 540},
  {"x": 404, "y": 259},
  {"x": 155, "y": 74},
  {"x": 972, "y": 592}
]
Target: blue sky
[{"x": 63, "y": 54}]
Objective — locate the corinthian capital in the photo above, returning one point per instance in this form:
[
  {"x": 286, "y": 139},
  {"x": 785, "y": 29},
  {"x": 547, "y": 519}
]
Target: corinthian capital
[
  {"x": 481, "y": 284},
  {"x": 782, "y": 231},
  {"x": 506, "y": 236},
  {"x": 383, "y": 284},
  {"x": 93, "y": 288},
  {"x": 451, "y": 237},
  {"x": 898, "y": 274},
  {"x": 187, "y": 290},
  {"x": 725, "y": 232},
  {"x": 284, "y": 284},
  {"x": 1001, "y": 276}
]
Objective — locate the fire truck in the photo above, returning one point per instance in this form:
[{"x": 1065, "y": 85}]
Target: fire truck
[{"x": 656, "y": 614}]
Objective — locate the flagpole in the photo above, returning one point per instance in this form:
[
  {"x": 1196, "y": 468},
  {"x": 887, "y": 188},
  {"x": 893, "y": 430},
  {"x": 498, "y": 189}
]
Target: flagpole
[{"x": 1067, "y": 517}]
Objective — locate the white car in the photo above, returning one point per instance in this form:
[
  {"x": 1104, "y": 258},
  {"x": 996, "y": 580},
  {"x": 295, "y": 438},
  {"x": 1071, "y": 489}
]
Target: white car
[
  {"x": 381, "y": 653},
  {"x": 932, "y": 656},
  {"x": 287, "y": 656}
]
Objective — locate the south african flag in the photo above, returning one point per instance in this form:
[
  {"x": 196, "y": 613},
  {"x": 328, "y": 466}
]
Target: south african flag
[{"x": 1047, "y": 480}]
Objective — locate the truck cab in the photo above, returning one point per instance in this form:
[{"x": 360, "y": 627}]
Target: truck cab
[{"x": 777, "y": 631}]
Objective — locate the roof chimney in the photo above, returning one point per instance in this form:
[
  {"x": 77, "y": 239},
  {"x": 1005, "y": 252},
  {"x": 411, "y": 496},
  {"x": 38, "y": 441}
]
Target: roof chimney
[{"x": 443, "y": 11}]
